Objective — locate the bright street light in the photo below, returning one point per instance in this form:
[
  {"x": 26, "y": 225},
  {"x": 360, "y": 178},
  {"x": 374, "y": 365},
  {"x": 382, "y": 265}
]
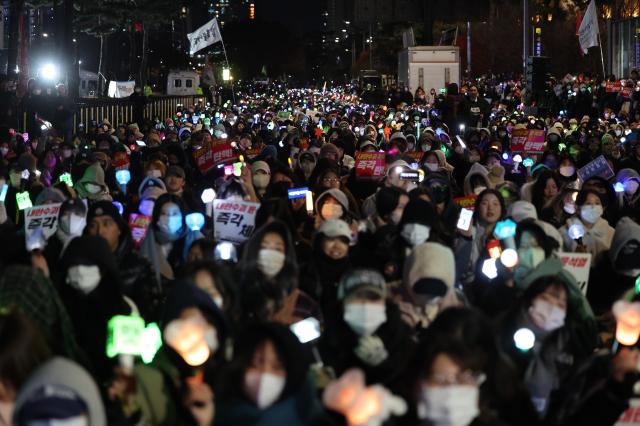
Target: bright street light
[{"x": 49, "y": 72}]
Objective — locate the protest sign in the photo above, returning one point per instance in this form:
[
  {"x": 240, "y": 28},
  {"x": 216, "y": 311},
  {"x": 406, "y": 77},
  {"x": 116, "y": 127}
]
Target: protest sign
[
  {"x": 138, "y": 224},
  {"x": 370, "y": 164},
  {"x": 598, "y": 167},
  {"x": 468, "y": 202},
  {"x": 218, "y": 151},
  {"x": 631, "y": 416},
  {"x": 45, "y": 217},
  {"x": 234, "y": 221},
  {"x": 528, "y": 141},
  {"x": 579, "y": 265},
  {"x": 613, "y": 86}
]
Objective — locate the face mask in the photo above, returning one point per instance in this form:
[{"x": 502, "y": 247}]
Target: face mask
[
  {"x": 261, "y": 181},
  {"x": 415, "y": 233},
  {"x": 630, "y": 187},
  {"x": 15, "y": 179},
  {"x": 331, "y": 211},
  {"x": 66, "y": 153},
  {"x": 84, "y": 278},
  {"x": 4, "y": 151},
  {"x": 531, "y": 257},
  {"x": 365, "y": 318},
  {"x": 478, "y": 189},
  {"x": 426, "y": 147},
  {"x": 72, "y": 224},
  {"x": 170, "y": 224},
  {"x": 474, "y": 158},
  {"x": 433, "y": 167},
  {"x": 569, "y": 208},
  {"x": 92, "y": 188},
  {"x": 146, "y": 207},
  {"x": 546, "y": 316},
  {"x": 455, "y": 405},
  {"x": 270, "y": 262},
  {"x": 590, "y": 213},
  {"x": 618, "y": 132},
  {"x": 567, "y": 171},
  {"x": 154, "y": 173},
  {"x": 263, "y": 388}
]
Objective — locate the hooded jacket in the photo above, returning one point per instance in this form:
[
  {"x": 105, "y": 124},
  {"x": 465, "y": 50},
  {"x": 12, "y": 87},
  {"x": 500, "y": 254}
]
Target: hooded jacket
[
  {"x": 597, "y": 239},
  {"x": 476, "y": 170},
  {"x": 93, "y": 175},
  {"x": 67, "y": 376}
]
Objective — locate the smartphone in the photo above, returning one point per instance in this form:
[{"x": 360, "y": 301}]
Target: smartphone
[
  {"x": 464, "y": 220},
  {"x": 3, "y": 193},
  {"x": 412, "y": 176},
  {"x": 294, "y": 193},
  {"x": 306, "y": 330},
  {"x": 141, "y": 143}
]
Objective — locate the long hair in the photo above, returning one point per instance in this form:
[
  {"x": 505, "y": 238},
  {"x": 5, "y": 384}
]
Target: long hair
[{"x": 261, "y": 296}]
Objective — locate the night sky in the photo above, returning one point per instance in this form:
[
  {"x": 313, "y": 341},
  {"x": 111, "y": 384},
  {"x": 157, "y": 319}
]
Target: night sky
[{"x": 300, "y": 17}]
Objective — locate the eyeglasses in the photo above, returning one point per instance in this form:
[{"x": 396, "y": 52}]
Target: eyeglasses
[{"x": 466, "y": 377}]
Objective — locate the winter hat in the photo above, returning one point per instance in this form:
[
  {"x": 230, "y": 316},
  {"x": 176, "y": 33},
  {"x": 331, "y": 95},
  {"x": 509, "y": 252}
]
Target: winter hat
[
  {"x": 396, "y": 164},
  {"x": 607, "y": 139},
  {"x": 328, "y": 149},
  {"x": 269, "y": 151},
  {"x": 554, "y": 131},
  {"x": 59, "y": 391},
  {"x": 627, "y": 174},
  {"x": 367, "y": 143},
  {"x": 49, "y": 195},
  {"x": 387, "y": 200},
  {"x": 430, "y": 270},
  {"x": 106, "y": 208},
  {"x": 551, "y": 232},
  {"x": 335, "y": 193},
  {"x": 75, "y": 206},
  {"x": 418, "y": 211},
  {"x": 307, "y": 156},
  {"x": 335, "y": 228},
  {"x": 152, "y": 193},
  {"x": 260, "y": 165},
  {"x": 551, "y": 267},
  {"x": 175, "y": 171},
  {"x": 521, "y": 210},
  {"x": 362, "y": 279},
  {"x": 442, "y": 160},
  {"x": 150, "y": 181}
]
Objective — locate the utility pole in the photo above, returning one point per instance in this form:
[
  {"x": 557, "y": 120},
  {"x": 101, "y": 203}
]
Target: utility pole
[
  {"x": 469, "y": 48},
  {"x": 525, "y": 34}
]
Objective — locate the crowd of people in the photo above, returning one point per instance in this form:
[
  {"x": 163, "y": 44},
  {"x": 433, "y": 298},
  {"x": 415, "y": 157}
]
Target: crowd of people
[{"x": 302, "y": 257}]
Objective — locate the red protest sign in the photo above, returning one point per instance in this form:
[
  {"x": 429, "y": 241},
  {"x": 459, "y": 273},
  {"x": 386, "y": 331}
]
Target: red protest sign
[
  {"x": 468, "y": 202},
  {"x": 138, "y": 224},
  {"x": 370, "y": 164},
  {"x": 613, "y": 86},
  {"x": 527, "y": 140},
  {"x": 217, "y": 152},
  {"x": 253, "y": 153}
]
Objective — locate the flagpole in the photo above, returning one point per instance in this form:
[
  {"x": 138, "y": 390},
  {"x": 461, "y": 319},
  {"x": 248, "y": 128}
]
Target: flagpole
[
  {"x": 604, "y": 74},
  {"x": 233, "y": 95}
]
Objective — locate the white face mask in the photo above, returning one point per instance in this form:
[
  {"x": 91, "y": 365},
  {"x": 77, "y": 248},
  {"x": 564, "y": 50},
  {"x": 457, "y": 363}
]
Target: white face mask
[
  {"x": 270, "y": 262},
  {"x": 426, "y": 147},
  {"x": 433, "y": 167},
  {"x": 569, "y": 208},
  {"x": 531, "y": 257},
  {"x": 263, "y": 388},
  {"x": 261, "y": 181},
  {"x": 478, "y": 189},
  {"x": 146, "y": 207},
  {"x": 630, "y": 187},
  {"x": 155, "y": 173},
  {"x": 546, "y": 316},
  {"x": 415, "y": 233},
  {"x": 590, "y": 213},
  {"x": 455, "y": 405},
  {"x": 72, "y": 224},
  {"x": 15, "y": 179},
  {"x": 365, "y": 318},
  {"x": 170, "y": 224},
  {"x": 84, "y": 278},
  {"x": 92, "y": 188},
  {"x": 307, "y": 167},
  {"x": 567, "y": 171},
  {"x": 331, "y": 211}
]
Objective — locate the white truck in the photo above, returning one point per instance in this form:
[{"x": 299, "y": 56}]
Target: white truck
[
  {"x": 181, "y": 83},
  {"x": 429, "y": 67}
]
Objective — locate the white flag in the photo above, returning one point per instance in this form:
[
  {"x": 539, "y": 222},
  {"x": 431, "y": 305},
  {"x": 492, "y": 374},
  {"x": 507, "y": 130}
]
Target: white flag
[
  {"x": 588, "y": 31},
  {"x": 204, "y": 36}
]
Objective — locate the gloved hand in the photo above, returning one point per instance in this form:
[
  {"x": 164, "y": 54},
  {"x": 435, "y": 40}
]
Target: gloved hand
[{"x": 371, "y": 350}]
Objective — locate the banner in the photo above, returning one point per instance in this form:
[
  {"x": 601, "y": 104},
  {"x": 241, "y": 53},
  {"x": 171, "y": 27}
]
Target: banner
[
  {"x": 530, "y": 141},
  {"x": 613, "y": 86},
  {"x": 138, "y": 224},
  {"x": 468, "y": 202},
  {"x": 579, "y": 265},
  {"x": 218, "y": 151},
  {"x": 588, "y": 32},
  {"x": 598, "y": 167},
  {"x": 370, "y": 164},
  {"x": 204, "y": 36},
  {"x": 121, "y": 89},
  {"x": 234, "y": 220},
  {"x": 45, "y": 217}
]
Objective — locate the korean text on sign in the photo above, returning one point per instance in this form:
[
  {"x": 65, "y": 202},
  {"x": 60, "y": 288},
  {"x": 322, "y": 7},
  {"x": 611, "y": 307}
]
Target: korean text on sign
[
  {"x": 234, "y": 220},
  {"x": 45, "y": 217},
  {"x": 370, "y": 164}
]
